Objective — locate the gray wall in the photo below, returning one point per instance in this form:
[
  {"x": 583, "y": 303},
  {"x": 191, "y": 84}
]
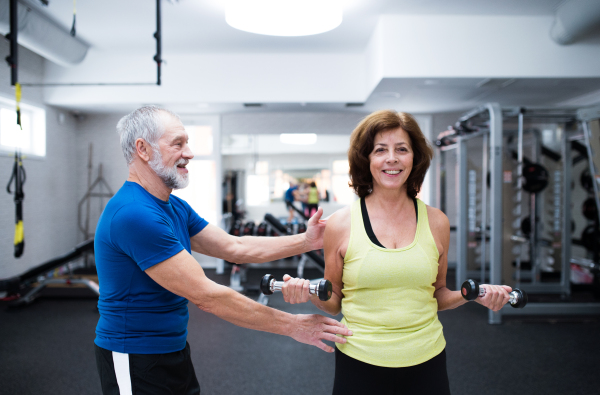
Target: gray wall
[
  {"x": 99, "y": 130},
  {"x": 51, "y": 193}
]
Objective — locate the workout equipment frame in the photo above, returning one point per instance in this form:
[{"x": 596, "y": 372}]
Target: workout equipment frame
[{"x": 491, "y": 132}]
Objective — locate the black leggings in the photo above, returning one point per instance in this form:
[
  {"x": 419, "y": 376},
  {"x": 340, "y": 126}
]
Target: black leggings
[{"x": 356, "y": 377}]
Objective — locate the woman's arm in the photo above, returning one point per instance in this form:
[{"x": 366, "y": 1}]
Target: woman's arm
[
  {"x": 335, "y": 243},
  {"x": 496, "y": 295}
]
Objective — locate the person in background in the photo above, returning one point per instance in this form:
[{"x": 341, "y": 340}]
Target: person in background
[
  {"x": 290, "y": 196},
  {"x": 312, "y": 199}
]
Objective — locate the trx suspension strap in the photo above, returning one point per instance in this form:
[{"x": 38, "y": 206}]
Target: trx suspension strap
[
  {"x": 18, "y": 175},
  {"x": 73, "y": 31}
]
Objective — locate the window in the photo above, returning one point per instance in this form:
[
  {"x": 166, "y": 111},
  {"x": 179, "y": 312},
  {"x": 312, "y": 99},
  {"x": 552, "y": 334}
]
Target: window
[
  {"x": 32, "y": 138},
  {"x": 342, "y": 193},
  {"x": 201, "y": 139},
  {"x": 257, "y": 191},
  {"x": 203, "y": 191}
]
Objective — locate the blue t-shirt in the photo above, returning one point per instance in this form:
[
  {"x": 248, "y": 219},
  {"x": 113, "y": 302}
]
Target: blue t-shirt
[
  {"x": 135, "y": 232},
  {"x": 289, "y": 194}
]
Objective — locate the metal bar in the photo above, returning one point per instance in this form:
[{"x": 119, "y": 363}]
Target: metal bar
[
  {"x": 484, "y": 171},
  {"x": 438, "y": 180},
  {"x": 536, "y": 203},
  {"x": 92, "y": 84},
  {"x": 588, "y": 137},
  {"x": 589, "y": 263},
  {"x": 565, "y": 278},
  {"x": 462, "y": 210},
  {"x": 476, "y": 111},
  {"x": 496, "y": 219},
  {"x": 465, "y": 137},
  {"x": 588, "y": 114},
  {"x": 519, "y": 192},
  {"x": 448, "y": 148}
]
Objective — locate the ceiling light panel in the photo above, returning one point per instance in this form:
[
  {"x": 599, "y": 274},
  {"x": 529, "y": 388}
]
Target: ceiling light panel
[{"x": 284, "y": 17}]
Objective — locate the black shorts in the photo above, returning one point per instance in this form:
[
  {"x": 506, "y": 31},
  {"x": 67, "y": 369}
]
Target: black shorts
[
  {"x": 140, "y": 374},
  {"x": 356, "y": 377}
]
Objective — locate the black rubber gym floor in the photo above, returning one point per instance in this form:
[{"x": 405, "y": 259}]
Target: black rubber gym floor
[{"x": 47, "y": 348}]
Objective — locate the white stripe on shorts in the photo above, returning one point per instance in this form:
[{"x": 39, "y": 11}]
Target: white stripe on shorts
[{"x": 121, "y": 362}]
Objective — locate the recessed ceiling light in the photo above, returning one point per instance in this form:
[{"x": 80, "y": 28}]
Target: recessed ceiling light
[
  {"x": 431, "y": 82},
  {"x": 298, "y": 138},
  {"x": 284, "y": 17}
]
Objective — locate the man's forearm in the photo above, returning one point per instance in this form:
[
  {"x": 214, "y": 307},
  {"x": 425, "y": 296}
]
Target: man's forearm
[
  {"x": 251, "y": 249},
  {"x": 233, "y": 307}
]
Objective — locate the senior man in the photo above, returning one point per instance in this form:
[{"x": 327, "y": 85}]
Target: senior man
[{"x": 147, "y": 274}]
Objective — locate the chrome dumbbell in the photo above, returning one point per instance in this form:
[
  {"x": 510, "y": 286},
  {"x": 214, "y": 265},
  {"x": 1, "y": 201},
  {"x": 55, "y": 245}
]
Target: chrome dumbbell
[
  {"x": 322, "y": 289},
  {"x": 470, "y": 290}
]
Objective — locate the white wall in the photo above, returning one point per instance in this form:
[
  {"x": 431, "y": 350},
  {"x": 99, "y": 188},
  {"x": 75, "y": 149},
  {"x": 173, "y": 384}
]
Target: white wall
[{"x": 51, "y": 189}]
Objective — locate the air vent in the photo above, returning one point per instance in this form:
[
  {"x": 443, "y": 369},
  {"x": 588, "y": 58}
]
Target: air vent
[
  {"x": 355, "y": 104},
  {"x": 253, "y": 105}
]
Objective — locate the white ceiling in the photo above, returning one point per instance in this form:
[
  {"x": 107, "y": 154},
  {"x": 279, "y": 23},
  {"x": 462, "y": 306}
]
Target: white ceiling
[{"x": 198, "y": 27}]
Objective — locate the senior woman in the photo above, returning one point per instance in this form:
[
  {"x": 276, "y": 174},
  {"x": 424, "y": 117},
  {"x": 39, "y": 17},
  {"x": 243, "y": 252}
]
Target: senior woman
[{"x": 386, "y": 256}]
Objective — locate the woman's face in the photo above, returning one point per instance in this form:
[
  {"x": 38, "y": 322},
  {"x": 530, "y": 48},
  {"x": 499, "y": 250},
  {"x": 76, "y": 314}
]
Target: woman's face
[{"x": 391, "y": 159}]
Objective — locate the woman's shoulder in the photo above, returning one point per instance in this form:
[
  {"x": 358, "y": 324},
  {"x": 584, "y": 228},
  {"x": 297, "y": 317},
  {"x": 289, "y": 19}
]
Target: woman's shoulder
[
  {"x": 339, "y": 221},
  {"x": 438, "y": 221}
]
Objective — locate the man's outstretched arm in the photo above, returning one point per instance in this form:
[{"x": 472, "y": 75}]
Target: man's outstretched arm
[
  {"x": 182, "y": 275},
  {"x": 215, "y": 242}
]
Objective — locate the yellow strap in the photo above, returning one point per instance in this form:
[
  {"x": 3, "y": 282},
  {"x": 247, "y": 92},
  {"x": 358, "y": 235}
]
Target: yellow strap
[
  {"x": 18, "y": 94},
  {"x": 19, "y": 233},
  {"x": 74, "y": 4}
]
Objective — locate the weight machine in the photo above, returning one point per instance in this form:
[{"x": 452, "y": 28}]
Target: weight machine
[{"x": 512, "y": 205}]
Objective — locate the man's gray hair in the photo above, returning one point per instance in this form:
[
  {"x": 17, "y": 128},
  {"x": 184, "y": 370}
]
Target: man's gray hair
[{"x": 145, "y": 123}]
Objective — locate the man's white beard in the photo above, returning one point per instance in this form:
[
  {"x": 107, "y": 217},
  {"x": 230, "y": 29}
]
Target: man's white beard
[{"x": 169, "y": 175}]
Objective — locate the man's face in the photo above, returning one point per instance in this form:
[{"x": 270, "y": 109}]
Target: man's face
[{"x": 170, "y": 160}]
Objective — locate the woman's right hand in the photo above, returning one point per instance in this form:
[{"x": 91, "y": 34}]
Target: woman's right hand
[{"x": 295, "y": 290}]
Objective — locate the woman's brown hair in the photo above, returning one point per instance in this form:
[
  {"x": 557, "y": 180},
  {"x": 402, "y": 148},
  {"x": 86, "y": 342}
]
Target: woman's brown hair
[{"x": 362, "y": 143}]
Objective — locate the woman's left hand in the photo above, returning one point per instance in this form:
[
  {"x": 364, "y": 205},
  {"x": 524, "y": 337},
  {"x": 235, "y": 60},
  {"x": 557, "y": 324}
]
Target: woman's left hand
[
  {"x": 295, "y": 290},
  {"x": 496, "y": 296}
]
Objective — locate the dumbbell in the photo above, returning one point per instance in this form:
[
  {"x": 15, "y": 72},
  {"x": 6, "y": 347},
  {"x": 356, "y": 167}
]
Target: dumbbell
[
  {"x": 470, "y": 290},
  {"x": 268, "y": 285}
]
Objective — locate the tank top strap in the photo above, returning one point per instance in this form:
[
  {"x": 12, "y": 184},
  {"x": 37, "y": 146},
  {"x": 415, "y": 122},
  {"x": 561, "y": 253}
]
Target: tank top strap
[{"x": 424, "y": 234}]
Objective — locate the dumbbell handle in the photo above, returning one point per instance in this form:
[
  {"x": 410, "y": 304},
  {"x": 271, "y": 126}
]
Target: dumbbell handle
[
  {"x": 278, "y": 285},
  {"x": 513, "y": 296}
]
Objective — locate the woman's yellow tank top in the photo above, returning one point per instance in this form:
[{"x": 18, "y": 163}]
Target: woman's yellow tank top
[
  {"x": 313, "y": 195},
  {"x": 388, "y": 299}
]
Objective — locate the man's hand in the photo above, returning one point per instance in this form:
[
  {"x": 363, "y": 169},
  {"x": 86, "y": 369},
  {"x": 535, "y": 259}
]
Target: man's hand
[
  {"x": 315, "y": 231},
  {"x": 314, "y": 328}
]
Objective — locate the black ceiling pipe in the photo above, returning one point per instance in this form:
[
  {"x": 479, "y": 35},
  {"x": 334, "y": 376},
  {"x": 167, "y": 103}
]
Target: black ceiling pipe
[
  {"x": 13, "y": 58},
  {"x": 157, "y": 36}
]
